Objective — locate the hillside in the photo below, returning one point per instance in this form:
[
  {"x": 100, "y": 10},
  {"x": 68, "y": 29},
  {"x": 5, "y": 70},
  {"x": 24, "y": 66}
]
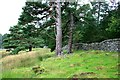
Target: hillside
[{"x": 80, "y": 64}]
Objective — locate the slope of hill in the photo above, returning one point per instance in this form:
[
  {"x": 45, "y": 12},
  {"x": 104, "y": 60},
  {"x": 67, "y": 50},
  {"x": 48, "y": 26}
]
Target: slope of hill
[{"x": 80, "y": 64}]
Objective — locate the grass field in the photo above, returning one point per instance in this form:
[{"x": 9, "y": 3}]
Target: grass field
[{"x": 80, "y": 64}]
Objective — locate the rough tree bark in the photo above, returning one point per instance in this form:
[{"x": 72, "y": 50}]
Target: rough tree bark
[
  {"x": 58, "y": 29},
  {"x": 70, "y": 34}
]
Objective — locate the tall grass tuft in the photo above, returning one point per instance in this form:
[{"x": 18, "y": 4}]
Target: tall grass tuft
[{"x": 23, "y": 59}]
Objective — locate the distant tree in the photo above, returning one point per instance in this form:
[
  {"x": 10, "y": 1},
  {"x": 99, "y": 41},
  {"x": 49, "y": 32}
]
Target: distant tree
[
  {"x": 39, "y": 13},
  {"x": 111, "y": 23},
  {"x": 0, "y": 40},
  {"x": 21, "y": 38}
]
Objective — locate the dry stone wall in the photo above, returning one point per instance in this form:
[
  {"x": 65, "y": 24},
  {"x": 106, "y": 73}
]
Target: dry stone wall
[{"x": 106, "y": 45}]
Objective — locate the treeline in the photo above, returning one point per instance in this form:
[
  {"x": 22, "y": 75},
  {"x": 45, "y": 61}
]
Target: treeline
[
  {"x": 0, "y": 41},
  {"x": 58, "y": 24}
]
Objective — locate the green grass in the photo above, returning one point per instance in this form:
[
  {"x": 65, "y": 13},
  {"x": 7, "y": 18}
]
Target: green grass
[{"x": 81, "y": 64}]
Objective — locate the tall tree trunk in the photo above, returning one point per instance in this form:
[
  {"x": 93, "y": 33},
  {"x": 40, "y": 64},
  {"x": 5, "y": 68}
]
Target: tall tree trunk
[
  {"x": 70, "y": 34},
  {"x": 30, "y": 47},
  {"x": 58, "y": 29}
]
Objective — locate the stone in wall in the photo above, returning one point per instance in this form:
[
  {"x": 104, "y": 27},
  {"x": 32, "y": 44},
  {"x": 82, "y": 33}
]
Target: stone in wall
[{"x": 106, "y": 45}]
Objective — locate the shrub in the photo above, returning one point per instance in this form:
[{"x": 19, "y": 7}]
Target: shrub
[{"x": 16, "y": 50}]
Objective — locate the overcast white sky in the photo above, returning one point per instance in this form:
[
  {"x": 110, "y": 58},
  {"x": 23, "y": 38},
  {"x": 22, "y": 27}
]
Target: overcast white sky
[{"x": 9, "y": 13}]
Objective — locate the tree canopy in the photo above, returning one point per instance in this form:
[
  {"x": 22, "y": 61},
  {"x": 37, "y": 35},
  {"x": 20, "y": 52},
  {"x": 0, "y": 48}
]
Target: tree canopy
[{"x": 37, "y": 25}]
